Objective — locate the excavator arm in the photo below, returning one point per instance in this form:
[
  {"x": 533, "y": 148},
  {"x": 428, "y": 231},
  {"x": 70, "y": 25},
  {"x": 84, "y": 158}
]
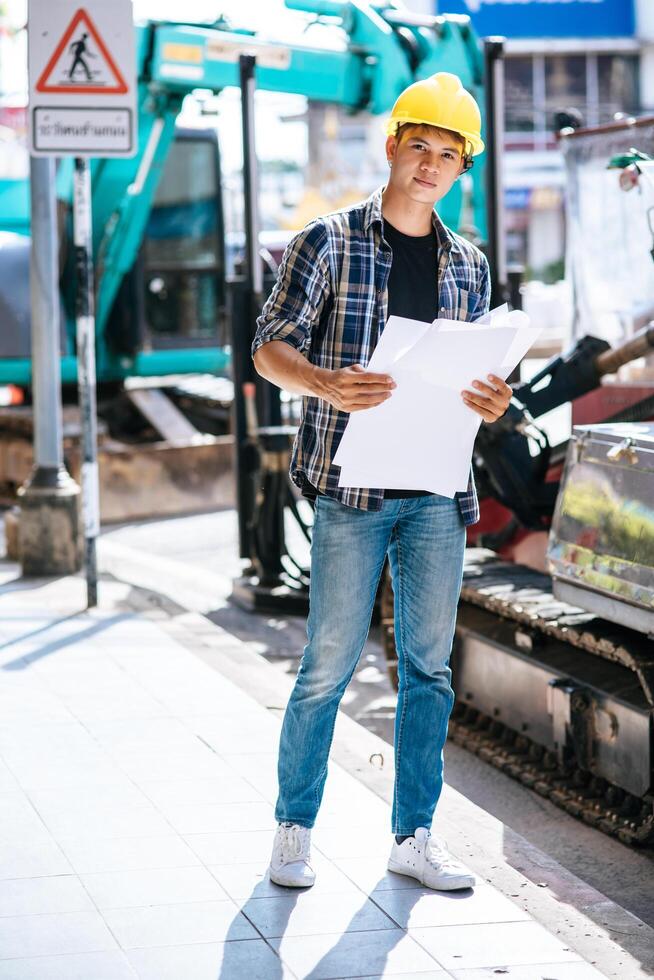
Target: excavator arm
[
  {"x": 358, "y": 54},
  {"x": 371, "y": 53}
]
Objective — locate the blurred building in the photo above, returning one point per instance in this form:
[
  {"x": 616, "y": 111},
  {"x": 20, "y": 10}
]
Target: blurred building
[{"x": 593, "y": 56}]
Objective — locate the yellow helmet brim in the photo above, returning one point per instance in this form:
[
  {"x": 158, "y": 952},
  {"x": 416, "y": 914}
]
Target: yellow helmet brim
[{"x": 475, "y": 141}]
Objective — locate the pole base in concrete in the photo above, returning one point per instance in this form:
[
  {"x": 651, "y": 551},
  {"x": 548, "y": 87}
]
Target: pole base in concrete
[{"x": 49, "y": 528}]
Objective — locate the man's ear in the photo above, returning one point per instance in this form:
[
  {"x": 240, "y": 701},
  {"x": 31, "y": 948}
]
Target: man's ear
[{"x": 391, "y": 143}]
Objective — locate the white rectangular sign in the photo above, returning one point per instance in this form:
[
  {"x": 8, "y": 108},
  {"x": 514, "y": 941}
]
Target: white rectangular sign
[{"x": 82, "y": 77}]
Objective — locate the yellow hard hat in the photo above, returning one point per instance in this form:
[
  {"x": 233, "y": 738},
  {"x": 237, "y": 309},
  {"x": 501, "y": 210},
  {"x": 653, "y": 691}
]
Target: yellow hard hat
[{"x": 442, "y": 101}]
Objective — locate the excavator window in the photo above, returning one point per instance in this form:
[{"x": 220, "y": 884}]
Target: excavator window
[{"x": 183, "y": 248}]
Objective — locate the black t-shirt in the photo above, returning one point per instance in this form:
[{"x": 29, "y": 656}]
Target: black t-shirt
[
  {"x": 413, "y": 279},
  {"x": 412, "y": 293}
]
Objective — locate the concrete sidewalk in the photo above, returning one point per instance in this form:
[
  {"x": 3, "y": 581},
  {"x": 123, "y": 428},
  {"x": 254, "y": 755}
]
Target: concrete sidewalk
[{"x": 137, "y": 783}]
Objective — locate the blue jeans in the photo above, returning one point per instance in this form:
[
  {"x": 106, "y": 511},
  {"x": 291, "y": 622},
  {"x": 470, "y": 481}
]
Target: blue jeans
[{"x": 424, "y": 538}]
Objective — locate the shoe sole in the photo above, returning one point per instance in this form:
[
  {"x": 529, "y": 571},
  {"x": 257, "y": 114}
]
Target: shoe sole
[
  {"x": 457, "y": 884},
  {"x": 278, "y": 879}
]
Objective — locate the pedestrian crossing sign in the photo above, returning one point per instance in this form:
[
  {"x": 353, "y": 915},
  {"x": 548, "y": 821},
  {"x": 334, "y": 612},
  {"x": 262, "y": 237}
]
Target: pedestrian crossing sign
[
  {"x": 81, "y": 62},
  {"x": 82, "y": 75}
]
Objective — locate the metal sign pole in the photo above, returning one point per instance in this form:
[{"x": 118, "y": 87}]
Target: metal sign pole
[
  {"x": 494, "y": 96},
  {"x": 46, "y": 369},
  {"x": 85, "y": 321},
  {"x": 247, "y": 301},
  {"x": 48, "y": 521}
]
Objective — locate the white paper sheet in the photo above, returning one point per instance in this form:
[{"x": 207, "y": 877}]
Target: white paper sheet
[{"x": 422, "y": 437}]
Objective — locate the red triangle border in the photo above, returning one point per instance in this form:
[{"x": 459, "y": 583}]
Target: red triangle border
[{"x": 120, "y": 88}]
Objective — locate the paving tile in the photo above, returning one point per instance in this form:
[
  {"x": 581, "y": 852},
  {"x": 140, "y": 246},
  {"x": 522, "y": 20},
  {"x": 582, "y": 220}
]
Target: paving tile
[
  {"x": 498, "y": 944},
  {"x": 132, "y": 631},
  {"x": 239, "y": 735},
  {"x": 127, "y": 853},
  {"x": 354, "y": 954},
  {"x": 34, "y": 706},
  {"x": 76, "y": 747},
  {"x": 188, "y": 700},
  {"x": 363, "y": 811},
  {"x": 107, "y": 821},
  {"x": 254, "y": 845},
  {"x": 193, "y": 763},
  {"x": 413, "y": 908},
  {"x": 190, "y": 818},
  {"x": 544, "y": 971},
  {"x": 259, "y": 770},
  {"x": 436, "y": 974},
  {"x": 120, "y": 793},
  {"x": 340, "y": 785},
  {"x": 371, "y": 874},
  {"x": 176, "y": 925},
  {"x": 19, "y": 821},
  {"x": 226, "y": 742},
  {"x": 226, "y": 788},
  {"x": 244, "y": 881},
  {"x": 306, "y": 913},
  {"x": 138, "y": 733},
  {"x": 8, "y": 782},
  {"x": 66, "y": 733},
  {"x": 341, "y": 842},
  {"x": 112, "y": 965},
  {"x": 154, "y": 886},
  {"x": 32, "y": 859},
  {"x": 97, "y": 707},
  {"x": 239, "y": 718},
  {"x": 67, "y": 772},
  {"x": 47, "y": 935},
  {"x": 31, "y": 896},
  {"x": 252, "y": 959},
  {"x": 82, "y": 677}
]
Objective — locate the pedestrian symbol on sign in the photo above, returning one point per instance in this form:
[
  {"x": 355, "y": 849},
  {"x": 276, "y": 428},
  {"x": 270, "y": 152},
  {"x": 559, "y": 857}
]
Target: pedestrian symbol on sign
[
  {"x": 79, "y": 50},
  {"x": 68, "y": 69}
]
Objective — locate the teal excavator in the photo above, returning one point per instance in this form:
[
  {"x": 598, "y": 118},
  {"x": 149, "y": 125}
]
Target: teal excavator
[{"x": 159, "y": 245}]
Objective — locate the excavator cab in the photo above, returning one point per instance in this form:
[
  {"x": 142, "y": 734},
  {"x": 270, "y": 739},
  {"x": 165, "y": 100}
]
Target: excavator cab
[{"x": 174, "y": 296}]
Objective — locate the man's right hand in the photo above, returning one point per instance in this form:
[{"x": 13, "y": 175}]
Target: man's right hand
[
  {"x": 352, "y": 389},
  {"x": 349, "y": 389}
]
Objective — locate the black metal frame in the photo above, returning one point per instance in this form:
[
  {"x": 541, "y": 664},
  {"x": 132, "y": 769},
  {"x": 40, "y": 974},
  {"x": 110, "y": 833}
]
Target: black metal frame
[{"x": 262, "y": 442}]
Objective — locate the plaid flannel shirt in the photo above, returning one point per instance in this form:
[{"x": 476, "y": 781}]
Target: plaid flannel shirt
[{"x": 330, "y": 303}]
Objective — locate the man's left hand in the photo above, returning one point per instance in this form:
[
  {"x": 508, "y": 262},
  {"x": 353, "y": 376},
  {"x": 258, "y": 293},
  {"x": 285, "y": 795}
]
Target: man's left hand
[{"x": 493, "y": 399}]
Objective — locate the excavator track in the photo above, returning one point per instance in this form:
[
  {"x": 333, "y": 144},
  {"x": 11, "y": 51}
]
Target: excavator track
[
  {"x": 524, "y": 597},
  {"x": 591, "y": 799}
]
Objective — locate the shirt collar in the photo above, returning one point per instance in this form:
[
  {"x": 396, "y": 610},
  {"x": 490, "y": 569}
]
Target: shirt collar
[{"x": 372, "y": 214}]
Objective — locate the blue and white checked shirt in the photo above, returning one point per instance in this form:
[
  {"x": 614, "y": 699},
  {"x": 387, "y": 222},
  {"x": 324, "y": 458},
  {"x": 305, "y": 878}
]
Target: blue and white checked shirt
[{"x": 330, "y": 303}]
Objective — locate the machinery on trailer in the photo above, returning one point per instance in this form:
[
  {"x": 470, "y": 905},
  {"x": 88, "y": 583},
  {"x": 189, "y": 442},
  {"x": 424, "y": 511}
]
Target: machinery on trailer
[{"x": 163, "y": 299}]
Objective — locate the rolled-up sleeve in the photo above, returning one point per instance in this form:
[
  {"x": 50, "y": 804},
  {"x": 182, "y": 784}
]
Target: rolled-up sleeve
[{"x": 293, "y": 309}]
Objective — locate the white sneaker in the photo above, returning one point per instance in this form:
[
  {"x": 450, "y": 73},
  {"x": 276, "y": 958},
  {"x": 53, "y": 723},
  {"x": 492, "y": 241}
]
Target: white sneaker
[
  {"x": 426, "y": 858},
  {"x": 289, "y": 864}
]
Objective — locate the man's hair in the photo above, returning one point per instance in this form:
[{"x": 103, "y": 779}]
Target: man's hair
[{"x": 407, "y": 129}]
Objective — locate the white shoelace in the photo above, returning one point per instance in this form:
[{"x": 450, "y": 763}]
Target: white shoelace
[
  {"x": 293, "y": 841},
  {"x": 437, "y": 854}
]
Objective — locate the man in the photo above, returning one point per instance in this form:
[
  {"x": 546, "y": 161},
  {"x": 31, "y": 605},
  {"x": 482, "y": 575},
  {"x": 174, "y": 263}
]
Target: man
[{"x": 340, "y": 279}]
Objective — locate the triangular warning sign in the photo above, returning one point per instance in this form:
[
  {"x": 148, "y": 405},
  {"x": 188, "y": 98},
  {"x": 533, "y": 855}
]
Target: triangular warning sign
[{"x": 82, "y": 63}]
